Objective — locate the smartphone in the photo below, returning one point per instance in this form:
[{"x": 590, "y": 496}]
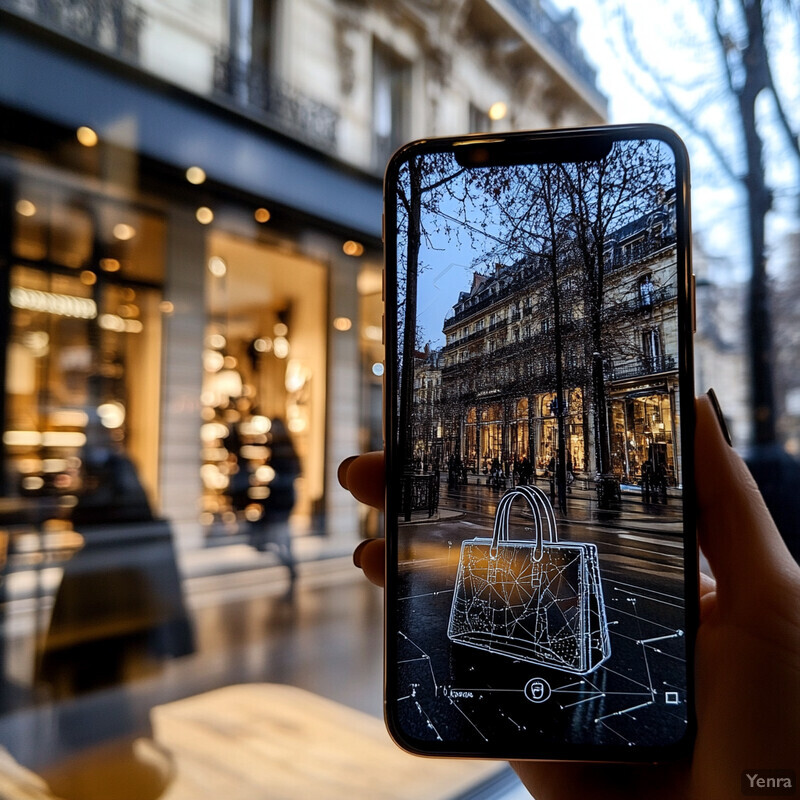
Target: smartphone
[{"x": 541, "y": 598}]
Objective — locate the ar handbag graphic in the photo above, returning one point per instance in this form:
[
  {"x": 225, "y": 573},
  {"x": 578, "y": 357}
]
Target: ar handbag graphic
[{"x": 530, "y": 599}]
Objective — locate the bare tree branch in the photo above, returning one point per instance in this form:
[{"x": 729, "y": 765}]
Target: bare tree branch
[{"x": 672, "y": 105}]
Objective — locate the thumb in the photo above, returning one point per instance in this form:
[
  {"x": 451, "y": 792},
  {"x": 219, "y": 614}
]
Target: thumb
[{"x": 737, "y": 534}]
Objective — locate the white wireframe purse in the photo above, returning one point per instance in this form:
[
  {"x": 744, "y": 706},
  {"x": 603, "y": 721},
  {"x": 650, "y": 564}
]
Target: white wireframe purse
[{"x": 533, "y": 600}]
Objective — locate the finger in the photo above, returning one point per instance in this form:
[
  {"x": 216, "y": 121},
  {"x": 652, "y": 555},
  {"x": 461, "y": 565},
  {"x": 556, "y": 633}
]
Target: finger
[
  {"x": 370, "y": 556},
  {"x": 737, "y": 534},
  {"x": 707, "y": 584},
  {"x": 708, "y": 597},
  {"x": 341, "y": 473},
  {"x": 363, "y": 476}
]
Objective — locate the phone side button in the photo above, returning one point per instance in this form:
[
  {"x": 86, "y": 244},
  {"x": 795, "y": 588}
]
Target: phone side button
[
  {"x": 383, "y": 329},
  {"x": 694, "y": 303}
]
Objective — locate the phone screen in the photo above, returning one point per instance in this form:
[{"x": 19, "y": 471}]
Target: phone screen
[{"x": 541, "y": 575}]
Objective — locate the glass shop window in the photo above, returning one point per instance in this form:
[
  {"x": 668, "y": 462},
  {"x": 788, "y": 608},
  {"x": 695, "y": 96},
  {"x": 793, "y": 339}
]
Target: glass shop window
[
  {"x": 263, "y": 400},
  {"x": 83, "y": 353}
]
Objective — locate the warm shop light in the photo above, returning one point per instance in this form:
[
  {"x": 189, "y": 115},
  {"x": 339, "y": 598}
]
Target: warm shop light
[
  {"x": 62, "y": 305},
  {"x": 109, "y": 264},
  {"x": 25, "y": 208},
  {"x": 260, "y": 424},
  {"x": 22, "y": 438},
  {"x": 351, "y": 248},
  {"x": 166, "y": 307},
  {"x": 63, "y": 439},
  {"x": 265, "y": 473},
  {"x": 124, "y": 232},
  {"x": 342, "y": 323},
  {"x": 86, "y": 136},
  {"x": 213, "y": 360},
  {"x": 213, "y": 431},
  {"x": 262, "y": 345},
  {"x": 377, "y": 369},
  {"x": 280, "y": 346},
  {"x": 204, "y": 215},
  {"x": 112, "y": 415},
  {"x": 114, "y": 322},
  {"x": 373, "y": 333},
  {"x": 217, "y": 266},
  {"x": 69, "y": 418},
  {"x": 38, "y": 342},
  {"x": 280, "y": 329},
  {"x": 369, "y": 281},
  {"x": 498, "y": 110},
  {"x": 88, "y": 277},
  {"x": 217, "y": 341},
  {"x": 262, "y": 215},
  {"x": 196, "y": 175}
]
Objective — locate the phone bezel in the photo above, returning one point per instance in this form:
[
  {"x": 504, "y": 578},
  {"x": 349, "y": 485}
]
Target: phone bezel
[{"x": 521, "y": 148}]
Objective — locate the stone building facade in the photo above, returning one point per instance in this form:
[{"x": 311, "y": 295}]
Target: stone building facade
[{"x": 498, "y": 382}]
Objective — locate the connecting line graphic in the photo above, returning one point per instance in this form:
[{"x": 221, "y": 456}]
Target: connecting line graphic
[
  {"x": 632, "y": 601},
  {"x": 650, "y": 591},
  {"x": 593, "y": 693},
  {"x": 430, "y": 724},
  {"x": 422, "y": 657},
  {"x": 624, "y": 711},
  {"x": 426, "y": 594},
  {"x": 458, "y": 708},
  {"x": 675, "y": 635}
]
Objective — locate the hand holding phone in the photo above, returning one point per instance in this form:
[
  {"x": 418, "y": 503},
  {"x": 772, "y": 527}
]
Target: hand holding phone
[
  {"x": 541, "y": 556},
  {"x": 747, "y": 703}
]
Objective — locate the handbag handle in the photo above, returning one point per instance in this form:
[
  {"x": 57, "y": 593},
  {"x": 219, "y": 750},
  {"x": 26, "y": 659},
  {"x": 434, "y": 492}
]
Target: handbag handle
[{"x": 540, "y": 506}]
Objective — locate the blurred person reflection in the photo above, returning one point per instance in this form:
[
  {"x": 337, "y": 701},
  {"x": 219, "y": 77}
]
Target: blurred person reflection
[
  {"x": 111, "y": 490},
  {"x": 272, "y": 529},
  {"x": 118, "y": 614}
]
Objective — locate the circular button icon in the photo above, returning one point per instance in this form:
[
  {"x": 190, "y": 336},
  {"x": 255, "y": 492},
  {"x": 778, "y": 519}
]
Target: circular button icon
[{"x": 537, "y": 690}]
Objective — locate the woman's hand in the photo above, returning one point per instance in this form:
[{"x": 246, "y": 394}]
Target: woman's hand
[{"x": 747, "y": 668}]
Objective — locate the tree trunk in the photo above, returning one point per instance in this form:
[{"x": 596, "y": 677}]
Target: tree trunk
[
  {"x": 410, "y": 320},
  {"x": 759, "y": 202}
]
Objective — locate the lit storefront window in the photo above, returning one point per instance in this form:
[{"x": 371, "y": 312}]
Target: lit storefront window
[
  {"x": 642, "y": 430},
  {"x": 264, "y": 379},
  {"x": 83, "y": 350}
]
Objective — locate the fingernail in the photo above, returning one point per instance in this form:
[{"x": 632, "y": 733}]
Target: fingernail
[
  {"x": 712, "y": 396},
  {"x": 341, "y": 473},
  {"x": 358, "y": 551}
]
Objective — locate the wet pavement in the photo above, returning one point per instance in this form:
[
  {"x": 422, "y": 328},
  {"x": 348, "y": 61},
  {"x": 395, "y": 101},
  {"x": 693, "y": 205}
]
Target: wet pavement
[{"x": 637, "y": 696}]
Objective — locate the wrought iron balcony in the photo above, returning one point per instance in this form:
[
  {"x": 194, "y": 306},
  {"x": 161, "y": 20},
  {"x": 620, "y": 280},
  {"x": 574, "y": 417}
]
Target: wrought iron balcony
[
  {"x": 648, "y": 301},
  {"x": 640, "y": 251},
  {"x": 111, "y": 25},
  {"x": 545, "y": 22},
  {"x": 646, "y": 365},
  {"x": 282, "y": 107}
]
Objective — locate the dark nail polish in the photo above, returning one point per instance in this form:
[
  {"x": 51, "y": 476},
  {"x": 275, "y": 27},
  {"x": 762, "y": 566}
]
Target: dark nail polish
[{"x": 712, "y": 396}]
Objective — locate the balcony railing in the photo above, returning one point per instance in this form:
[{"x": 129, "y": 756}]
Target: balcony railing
[
  {"x": 419, "y": 493},
  {"x": 543, "y": 22},
  {"x": 281, "y": 106},
  {"x": 111, "y": 25},
  {"x": 646, "y": 365},
  {"x": 623, "y": 257},
  {"x": 648, "y": 301}
]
